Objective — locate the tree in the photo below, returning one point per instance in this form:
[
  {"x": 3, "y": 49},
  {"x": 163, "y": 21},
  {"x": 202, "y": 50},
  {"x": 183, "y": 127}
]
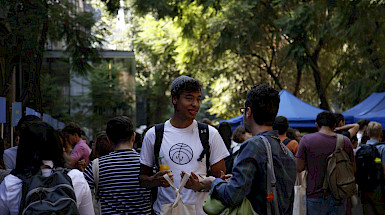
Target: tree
[
  {"x": 322, "y": 51},
  {"x": 26, "y": 28},
  {"x": 154, "y": 52},
  {"x": 110, "y": 94}
]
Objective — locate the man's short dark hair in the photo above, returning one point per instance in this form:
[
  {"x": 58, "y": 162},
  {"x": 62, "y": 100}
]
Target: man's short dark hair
[
  {"x": 281, "y": 124},
  {"x": 72, "y": 128},
  {"x": 264, "y": 103},
  {"x": 326, "y": 118},
  {"x": 184, "y": 84},
  {"x": 339, "y": 118},
  {"x": 119, "y": 129},
  {"x": 362, "y": 123}
]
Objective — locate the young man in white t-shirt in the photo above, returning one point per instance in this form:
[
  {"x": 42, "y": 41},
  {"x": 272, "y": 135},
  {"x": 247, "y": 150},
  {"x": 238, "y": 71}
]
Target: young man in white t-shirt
[{"x": 181, "y": 148}]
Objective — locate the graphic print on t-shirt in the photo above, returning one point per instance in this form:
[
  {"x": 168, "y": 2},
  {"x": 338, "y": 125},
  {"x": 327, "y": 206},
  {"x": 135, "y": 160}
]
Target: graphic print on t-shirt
[{"x": 181, "y": 153}]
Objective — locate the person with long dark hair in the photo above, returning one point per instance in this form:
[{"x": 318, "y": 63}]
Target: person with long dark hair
[{"x": 40, "y": 151}]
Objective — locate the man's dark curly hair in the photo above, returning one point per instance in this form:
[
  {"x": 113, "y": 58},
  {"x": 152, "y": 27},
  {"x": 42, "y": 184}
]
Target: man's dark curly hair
[
  {"x": 326, "y": 118},
  {"x": 264, "y": 103},
  {"x": 184, "y": 84},
  {"x": 119, "y": 129}
]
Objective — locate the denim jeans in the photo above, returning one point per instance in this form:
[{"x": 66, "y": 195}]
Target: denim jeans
[{"x": 329, "y": 206}]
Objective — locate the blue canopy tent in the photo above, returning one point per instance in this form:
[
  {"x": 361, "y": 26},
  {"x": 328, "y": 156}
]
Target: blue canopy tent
[
  {"x": 234, "y": 122},
  {"x": 372, "y": 108},
  {"x": 299, "y": 113},
  {"x": 378, "y": 116}
]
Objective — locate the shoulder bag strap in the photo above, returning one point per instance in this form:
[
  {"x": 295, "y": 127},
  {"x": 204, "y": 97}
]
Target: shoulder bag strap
[
  {"x": 339, "y": 145},
  {"x": 271, "y": 180},
  {"x": 159, "y": 130},
  {"x": 95, "y": 171}
]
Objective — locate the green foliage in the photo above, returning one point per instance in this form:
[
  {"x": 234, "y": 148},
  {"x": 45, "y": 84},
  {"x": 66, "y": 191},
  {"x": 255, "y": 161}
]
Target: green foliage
[
  {"x": 28, "y": 26},
  {"x": 53, "y": 103},
  {"x": 154, "y": 49},
  {"x": 323, "y": 51},
  {"x": 109, "y": 93}
]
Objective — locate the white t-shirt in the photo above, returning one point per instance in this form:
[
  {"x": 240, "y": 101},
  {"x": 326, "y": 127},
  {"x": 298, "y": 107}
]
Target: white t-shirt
[
  {"x": 10, "y": 193},
  {"x": 359, "y": 136},
  {"x": 181, "y": 149}
]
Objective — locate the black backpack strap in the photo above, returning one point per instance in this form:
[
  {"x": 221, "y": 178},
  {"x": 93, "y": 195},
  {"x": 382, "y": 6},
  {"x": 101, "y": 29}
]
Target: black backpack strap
[
  {"x": 286, "y": 141},
  {"x": 203, "y": 130},
  {"x": 159, "y": 129}
]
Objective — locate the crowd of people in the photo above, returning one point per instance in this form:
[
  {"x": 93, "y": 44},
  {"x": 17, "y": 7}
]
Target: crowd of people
[{"x": 119, "y": 172}]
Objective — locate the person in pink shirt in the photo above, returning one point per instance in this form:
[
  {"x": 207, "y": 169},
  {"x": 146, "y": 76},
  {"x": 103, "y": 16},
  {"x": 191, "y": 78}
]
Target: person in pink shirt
[{"x": 79, "y": 157}]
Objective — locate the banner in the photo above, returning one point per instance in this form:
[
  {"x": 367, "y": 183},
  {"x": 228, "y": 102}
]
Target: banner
[
  {"x": 16, "y": 113},
  {"x": 54, "y": 123},
  {"x": 30, "y": 111},
  {"x": 61, "y": 125},
  {"x": 3, "y": 107},
  {"x": 47, "y": 118}
]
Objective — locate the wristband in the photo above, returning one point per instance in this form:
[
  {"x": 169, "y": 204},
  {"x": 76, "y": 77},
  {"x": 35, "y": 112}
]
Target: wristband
[{"x": 202, "y": 190}]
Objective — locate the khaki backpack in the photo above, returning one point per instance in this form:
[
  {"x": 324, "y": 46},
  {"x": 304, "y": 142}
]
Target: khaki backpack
[{"x": 339, "y": 178}]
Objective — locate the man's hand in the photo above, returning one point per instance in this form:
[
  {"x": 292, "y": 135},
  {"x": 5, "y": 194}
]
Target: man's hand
[
  {"x": 193, "y": 182},
  {"x": 225, "y": 177},
  {"x": 82, "y": 165},
  {"x": 160, "y": 181},
  {"x": 207, "y": 182}
]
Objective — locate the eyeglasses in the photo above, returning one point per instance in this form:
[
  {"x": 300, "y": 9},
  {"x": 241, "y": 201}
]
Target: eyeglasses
[{"x": 242, "y": 110}]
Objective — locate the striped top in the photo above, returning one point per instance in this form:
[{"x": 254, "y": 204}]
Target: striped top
[{"x": 119, "y": 189}]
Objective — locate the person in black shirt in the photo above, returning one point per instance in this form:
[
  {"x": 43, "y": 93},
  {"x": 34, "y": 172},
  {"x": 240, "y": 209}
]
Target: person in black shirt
[{"x": 349, "y": 130}]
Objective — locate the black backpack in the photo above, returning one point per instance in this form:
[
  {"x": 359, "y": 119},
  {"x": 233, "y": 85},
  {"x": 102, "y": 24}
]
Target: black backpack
[
  {"x": 48, "y": 195},
  {"x": 230, "y": 160},
  {"x": 203, "y": 136},
  {"x": 369, "y": 174}
]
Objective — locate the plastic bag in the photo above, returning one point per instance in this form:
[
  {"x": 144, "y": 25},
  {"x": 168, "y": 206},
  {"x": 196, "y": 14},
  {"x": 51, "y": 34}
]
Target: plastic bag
[
  {"x": 177, "y": 207},
  {"x": 215, "y": 207},
  {"x": 299, "y": 205}
]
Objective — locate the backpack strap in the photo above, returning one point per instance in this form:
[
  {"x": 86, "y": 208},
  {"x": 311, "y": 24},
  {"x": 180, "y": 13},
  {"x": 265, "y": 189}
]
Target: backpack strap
[
  {"x": 203, "y": 130},
  {"x": 95, "y": 171},
  {"x": 270, "y": 179},
  {"x": 159, "y": 129},
  {"x": 286, "y": 141},
  {"x": 340, "y": 142}
]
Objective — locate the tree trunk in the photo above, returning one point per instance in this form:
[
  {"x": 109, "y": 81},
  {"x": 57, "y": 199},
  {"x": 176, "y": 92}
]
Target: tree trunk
[
  {"x": 298, "y": 79},
  {"x": 34, "y": 46},
  {"x": 320, "y": 89},
  {"x": 317, "y": 76}
]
